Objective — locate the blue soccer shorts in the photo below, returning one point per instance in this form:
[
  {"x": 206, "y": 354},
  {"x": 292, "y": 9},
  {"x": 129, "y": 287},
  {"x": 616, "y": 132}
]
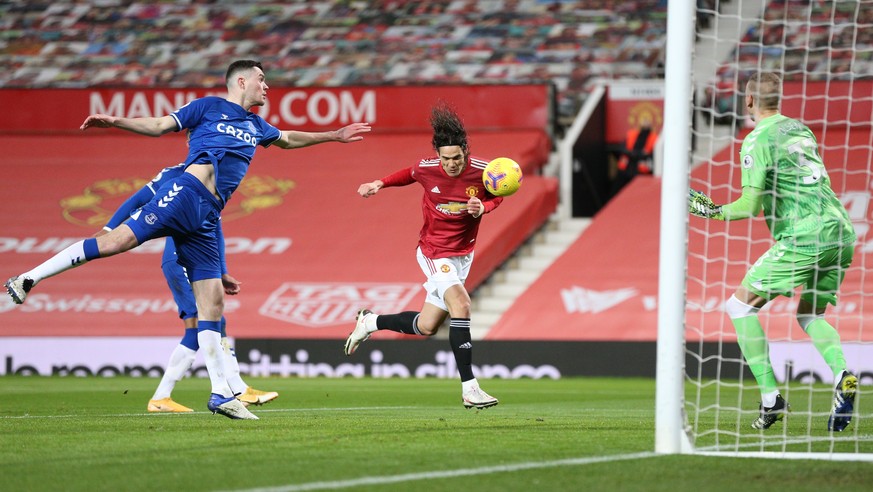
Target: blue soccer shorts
[{"x": 185, "y": 210}]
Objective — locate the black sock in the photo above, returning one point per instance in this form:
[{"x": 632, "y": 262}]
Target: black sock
[
  {"x": 462, "y": 347},
  {"x": 404, "y": 322}
]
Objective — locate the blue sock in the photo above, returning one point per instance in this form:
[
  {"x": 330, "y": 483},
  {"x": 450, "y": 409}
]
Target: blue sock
[
  {"x": 209, "y": 325},
  {"x": 90, "y": 248},
  {"x": 190, "y": 339}
]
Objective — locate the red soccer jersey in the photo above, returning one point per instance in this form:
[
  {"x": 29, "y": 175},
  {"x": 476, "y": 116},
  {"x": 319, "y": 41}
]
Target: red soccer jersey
[{"x": 448, "y": 229}]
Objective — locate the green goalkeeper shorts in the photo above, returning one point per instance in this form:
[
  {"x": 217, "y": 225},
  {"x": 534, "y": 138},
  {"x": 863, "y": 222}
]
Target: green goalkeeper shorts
[{"x": 781, "y": 270}]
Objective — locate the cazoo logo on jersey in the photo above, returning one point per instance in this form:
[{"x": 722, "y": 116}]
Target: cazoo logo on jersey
[
  {"x": 323, "y": 304},
  {"x": 94, "y": 206}
]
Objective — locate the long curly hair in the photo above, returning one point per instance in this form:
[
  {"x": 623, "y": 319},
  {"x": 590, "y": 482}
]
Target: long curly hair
[{"x": 448, "y": 129}]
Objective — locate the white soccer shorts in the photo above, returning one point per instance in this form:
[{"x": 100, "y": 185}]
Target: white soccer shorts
[{"x": 441, "y": 274}]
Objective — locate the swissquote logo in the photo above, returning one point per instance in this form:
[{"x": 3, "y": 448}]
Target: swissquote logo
[
  {"x": 325, "y": 304},
  {"x": 579, "y": 300}
]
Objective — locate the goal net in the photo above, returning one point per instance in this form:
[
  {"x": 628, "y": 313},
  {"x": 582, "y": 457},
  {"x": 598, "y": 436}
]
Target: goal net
[{"x": 824, "y": 52}]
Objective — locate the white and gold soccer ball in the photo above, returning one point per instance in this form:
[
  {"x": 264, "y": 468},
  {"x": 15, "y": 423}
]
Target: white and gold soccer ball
[{"x": 502, "y": 176}]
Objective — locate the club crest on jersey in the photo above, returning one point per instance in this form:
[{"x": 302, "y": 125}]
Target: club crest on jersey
[
  {"x": 445, "y": 269},
  {"x": 472, "y": 191},
  {"x": 150, "y": 219},
  {"x": 748, "y": 161}
]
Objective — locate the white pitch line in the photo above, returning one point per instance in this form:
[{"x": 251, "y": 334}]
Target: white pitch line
[
  {"x": 259, "y": 410},
  {"x": 462, "y": 472}
]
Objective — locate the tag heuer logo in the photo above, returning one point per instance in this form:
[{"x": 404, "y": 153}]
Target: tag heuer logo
[{"x": 325, "y": 304}]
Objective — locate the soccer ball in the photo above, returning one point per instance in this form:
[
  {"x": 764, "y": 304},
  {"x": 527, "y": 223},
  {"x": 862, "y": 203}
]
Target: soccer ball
[{"x": 502, "y": 176}]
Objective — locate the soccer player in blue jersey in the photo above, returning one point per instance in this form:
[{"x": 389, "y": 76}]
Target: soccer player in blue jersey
[
  {"x": 222, "y": 136},
  {"x": 177, "y": 280}
]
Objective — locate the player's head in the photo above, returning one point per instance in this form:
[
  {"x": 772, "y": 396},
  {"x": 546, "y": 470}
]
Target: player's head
[
  {"x": 449, "y": 139},
  {"x": 763, "y": 92},
  {"x": 246, "y": 78}
]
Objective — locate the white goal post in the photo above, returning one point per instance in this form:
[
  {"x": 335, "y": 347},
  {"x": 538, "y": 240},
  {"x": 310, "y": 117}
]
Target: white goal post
[
  {"x": 670, "y": 434},
  {"x": 706, "y": 399}
]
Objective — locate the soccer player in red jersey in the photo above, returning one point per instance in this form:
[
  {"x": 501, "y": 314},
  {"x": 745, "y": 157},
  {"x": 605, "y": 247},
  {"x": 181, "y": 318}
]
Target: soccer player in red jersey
[{"x": 453, "y": 204}]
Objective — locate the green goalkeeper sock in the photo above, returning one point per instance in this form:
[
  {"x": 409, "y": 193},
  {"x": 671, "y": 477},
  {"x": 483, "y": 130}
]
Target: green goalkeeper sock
[
  {"x": 753, "y": 344},
  {"x": 827, "y": 342}
]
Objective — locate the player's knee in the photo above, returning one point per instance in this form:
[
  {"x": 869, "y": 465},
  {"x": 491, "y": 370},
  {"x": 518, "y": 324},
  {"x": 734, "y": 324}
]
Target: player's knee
[
  {"x": 461, "y": 310},
  {"x": 805, "y": 319},
  {"x": 458, "y": 302},
  {"x": 736, "y": 308},
  {"x": 427, "y": 328},
  {"x": 211, "y": 308},
  {"x": 117, "y": 241}
]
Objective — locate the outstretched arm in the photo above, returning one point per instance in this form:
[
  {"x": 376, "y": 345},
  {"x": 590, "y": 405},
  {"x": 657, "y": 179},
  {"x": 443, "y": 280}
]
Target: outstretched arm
[
  {"x": 402, "y": 177},
  {"x": 292, "y": 139},
  {"x": 747, "y": 206},
  {"x": 149, "y": 126}
]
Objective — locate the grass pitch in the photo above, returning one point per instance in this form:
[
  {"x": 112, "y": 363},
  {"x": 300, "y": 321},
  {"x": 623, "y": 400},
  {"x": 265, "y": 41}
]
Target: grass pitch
[{"x": 369, "y": 434}]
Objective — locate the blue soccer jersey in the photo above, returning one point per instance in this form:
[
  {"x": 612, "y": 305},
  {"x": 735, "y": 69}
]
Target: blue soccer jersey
[{"x": 216, "y": 128}]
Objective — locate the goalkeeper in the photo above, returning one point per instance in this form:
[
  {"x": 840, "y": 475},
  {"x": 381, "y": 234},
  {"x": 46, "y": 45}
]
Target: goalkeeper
[{"x": 783, "y": 173}]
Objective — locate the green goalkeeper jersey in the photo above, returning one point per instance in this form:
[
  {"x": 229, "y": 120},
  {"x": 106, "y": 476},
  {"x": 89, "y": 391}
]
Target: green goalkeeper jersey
[{"x": 780, "y": 157}]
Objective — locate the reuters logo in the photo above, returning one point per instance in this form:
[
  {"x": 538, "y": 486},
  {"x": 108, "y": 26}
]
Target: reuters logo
[{"x": 95, "y": 205}]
